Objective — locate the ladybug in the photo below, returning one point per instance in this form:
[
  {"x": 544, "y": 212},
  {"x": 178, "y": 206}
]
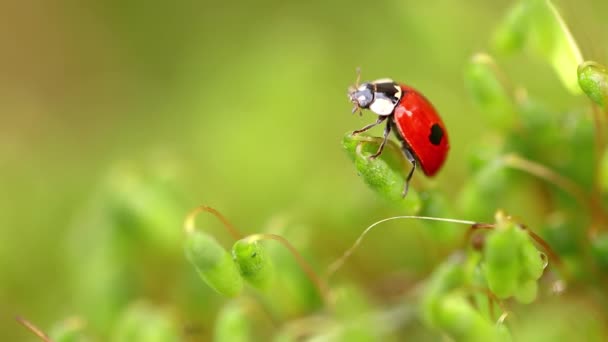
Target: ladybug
[{"x": 419, "y": 127}]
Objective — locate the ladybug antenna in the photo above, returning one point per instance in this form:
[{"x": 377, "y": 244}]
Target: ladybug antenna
[{"x": 353, "y": 89}]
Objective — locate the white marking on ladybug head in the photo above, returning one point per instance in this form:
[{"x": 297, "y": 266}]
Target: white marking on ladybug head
[
  {"x": 383, "y": 80},
  {"x": 382, "y": 106}
]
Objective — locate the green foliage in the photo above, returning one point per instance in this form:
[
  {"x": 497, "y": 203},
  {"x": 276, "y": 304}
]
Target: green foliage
[
  {"x": 232, "y": 324},
  {"x": 213, "y": 264},
  {"x": 254, "y": 263},
  {"x": 69, "y": 330},
  {"x": 512, "y": 262},
  {"x": 489, "y": 93},
  {"x": 485, "y": 277},
  {"x": 142, "y": 322},
  {"x": 384, "y": 174},
  {"x": 537, "y": 25},
  {"x": 599, "y": 248}
]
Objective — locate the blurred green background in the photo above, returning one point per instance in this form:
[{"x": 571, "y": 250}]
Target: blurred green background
[{"x": 242, "y": 104}]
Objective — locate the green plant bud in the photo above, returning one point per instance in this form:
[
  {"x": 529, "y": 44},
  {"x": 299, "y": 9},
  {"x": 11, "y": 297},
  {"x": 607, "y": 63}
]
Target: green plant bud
[
  {"x": 599, "y": 248},
  {"x": 70, "y": 330},
  {"x": 448, "y": 276},
  {"x": 510, "y": 36},
  {"x": 232, "y": 324},
  {"x": 593, "y": 80},
  {"x": 253, "y": 262},
  {"x": 532, "y": 260},
  {"x": 502, "y": 261},
  {"x": 213, "y": 264},
  {"x": 142, "y": 322},
  {"x": 526, "y": 291},
  {"x": 488, "y": 92},
  {"x": 385, "y": 174},
  {"x": 462, "y": 322}
]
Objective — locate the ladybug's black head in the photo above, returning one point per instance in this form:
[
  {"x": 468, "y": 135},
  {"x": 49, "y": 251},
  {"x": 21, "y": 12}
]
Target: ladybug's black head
[{"x": 361, "y": 97}]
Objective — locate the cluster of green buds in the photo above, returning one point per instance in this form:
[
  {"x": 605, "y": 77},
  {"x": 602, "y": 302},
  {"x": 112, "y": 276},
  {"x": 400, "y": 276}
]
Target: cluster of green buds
[{"x": 511, "y": 263}]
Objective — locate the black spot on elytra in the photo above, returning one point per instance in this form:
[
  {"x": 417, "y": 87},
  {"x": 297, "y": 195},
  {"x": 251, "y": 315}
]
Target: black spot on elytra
[{"x": 436, "y": 134}]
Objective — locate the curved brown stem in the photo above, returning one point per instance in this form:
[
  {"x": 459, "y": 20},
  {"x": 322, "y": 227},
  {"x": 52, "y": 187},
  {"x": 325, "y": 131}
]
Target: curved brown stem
[
  {"x": 308, "y": 270},
  {"x": 34, "y": 329},
  {"x": 475, "y": 227},
  {"x": 539, "y": 240},
  {"x": 189, "y": 226}
]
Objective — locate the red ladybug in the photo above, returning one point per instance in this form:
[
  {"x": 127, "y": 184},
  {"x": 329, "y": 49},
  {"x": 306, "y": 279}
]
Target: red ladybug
[{"x": 420, "y": 129}]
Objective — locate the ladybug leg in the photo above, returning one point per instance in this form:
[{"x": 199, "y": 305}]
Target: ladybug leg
[
  {"x": 379, "y": 121},
  {"x": 408, "y": 154},
  {"x": 387, "y": 131}
]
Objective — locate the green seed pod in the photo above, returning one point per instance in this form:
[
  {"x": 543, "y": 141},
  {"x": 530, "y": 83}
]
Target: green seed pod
[
  {"x": 532, "y": 260},
  {"x": 526, "y": 291},
  {"x": 142, "y": 322},
  {"x": 510, "y": 36},
  {"x": 232, "y": 324},
  {"x": 462, "y": 322},
  {"x": 213, "y": 264},
  {"x": 489, "y": 93},
  {"x": 253, "y": 262},
  {"x": 502, "y": 261},
  {"x": 593, "y": 80},
  {"x": 385, "y": 174}
]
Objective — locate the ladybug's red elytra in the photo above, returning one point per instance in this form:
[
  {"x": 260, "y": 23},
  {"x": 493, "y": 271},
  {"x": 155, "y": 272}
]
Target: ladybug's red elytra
[{"x": 420, "y": 129}]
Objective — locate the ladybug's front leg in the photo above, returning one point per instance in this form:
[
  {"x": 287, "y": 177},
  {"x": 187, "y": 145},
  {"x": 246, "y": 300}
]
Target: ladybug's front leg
[
  {"x": 379, "y": 121},
  {"x": 387, "y": 131},
  {"x": 408, "y": 154}
]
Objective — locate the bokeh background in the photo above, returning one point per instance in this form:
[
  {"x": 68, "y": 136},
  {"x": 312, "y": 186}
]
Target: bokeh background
[{"x": 240, "y": 105}]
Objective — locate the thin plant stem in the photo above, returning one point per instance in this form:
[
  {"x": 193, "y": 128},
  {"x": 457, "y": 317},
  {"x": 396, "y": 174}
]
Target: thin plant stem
[
  {"x": 34, "y": 329},
  {"x": 335, "y": 266},
  {"x": 308, "y": 270},
  {"x": 189, "y": 223}
]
